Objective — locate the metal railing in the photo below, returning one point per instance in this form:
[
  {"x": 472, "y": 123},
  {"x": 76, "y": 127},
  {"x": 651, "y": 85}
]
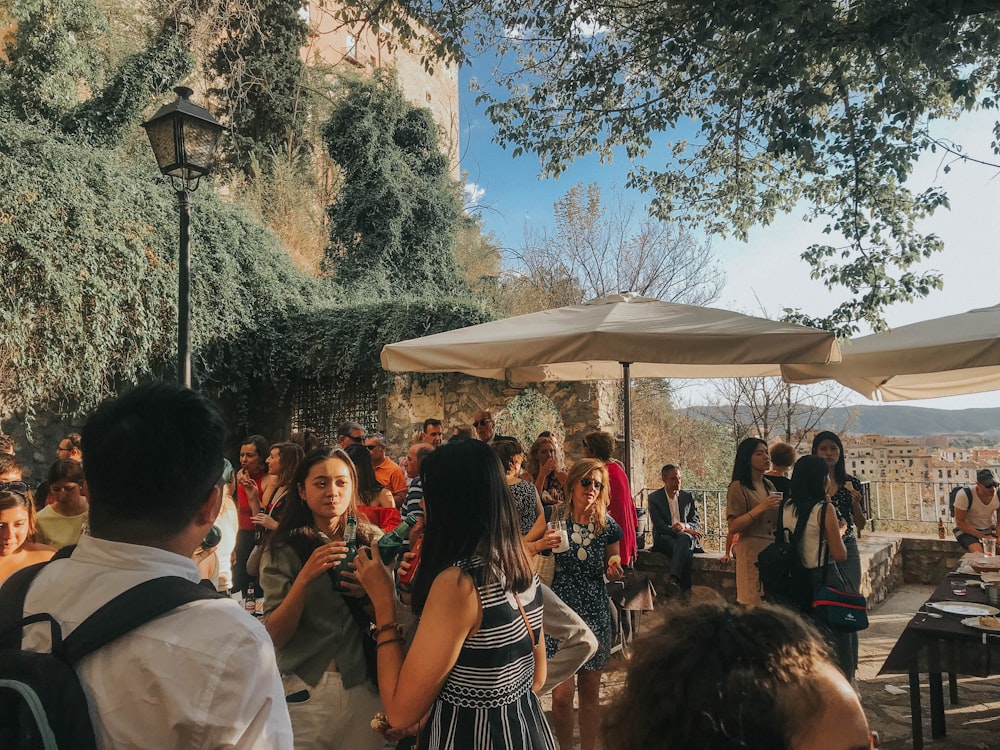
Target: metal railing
[{"x": 903, "y": 507}]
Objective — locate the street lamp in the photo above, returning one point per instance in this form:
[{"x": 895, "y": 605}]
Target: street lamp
[{"x": 184, "y": 138}]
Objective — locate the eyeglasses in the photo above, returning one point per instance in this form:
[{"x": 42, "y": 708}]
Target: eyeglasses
[
  {"x": 18, "y": 488},
  {"x": 358, "y": 439},
  {"x": 482, "y": 423},
  {"x": 373, "y": 447},
  {"x": 587, "y": 481}
]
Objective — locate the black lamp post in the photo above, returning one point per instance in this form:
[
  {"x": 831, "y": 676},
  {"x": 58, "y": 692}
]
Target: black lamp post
[{"x": 184, "y": 137}]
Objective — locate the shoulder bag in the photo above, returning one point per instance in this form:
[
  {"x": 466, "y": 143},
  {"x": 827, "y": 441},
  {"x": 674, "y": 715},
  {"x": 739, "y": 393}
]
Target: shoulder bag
[{"x": 837, "y": 605}]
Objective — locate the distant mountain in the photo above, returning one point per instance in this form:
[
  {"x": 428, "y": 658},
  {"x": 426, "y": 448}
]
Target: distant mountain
[
  {"x": 919, "y": 421},
  {"x": 902, "y": 421}
]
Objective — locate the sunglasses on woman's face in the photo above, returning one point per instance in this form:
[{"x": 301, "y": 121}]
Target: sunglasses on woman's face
[{"x": 587, "y": 481}]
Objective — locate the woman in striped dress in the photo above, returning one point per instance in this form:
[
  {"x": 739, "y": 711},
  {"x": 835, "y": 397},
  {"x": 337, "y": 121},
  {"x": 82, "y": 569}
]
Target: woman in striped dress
[{"x": 468, "y": 679}]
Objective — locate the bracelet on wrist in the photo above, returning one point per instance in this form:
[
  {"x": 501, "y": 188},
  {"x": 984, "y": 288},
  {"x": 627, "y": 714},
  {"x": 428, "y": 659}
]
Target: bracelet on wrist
[
  {"x": 386, "y": 643},
  {"x": 376, "y": 632}
]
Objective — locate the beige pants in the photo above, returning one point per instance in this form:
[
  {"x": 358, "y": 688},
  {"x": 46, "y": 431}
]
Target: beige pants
[
  {"x": 747, "y": 581},
  {"x": 333, "y": 718}
]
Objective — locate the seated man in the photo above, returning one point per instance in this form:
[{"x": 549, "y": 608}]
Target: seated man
[
  {"x": 976, "y": 511},
  {"x": 676, "y": 529}
]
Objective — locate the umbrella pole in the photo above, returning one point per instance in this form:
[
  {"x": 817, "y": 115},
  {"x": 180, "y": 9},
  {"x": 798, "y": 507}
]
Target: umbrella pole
[{"x": 627, "y": 407}]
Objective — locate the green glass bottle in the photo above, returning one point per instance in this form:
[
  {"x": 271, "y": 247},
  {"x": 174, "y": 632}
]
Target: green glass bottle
[{"x": 390, "y": 544}]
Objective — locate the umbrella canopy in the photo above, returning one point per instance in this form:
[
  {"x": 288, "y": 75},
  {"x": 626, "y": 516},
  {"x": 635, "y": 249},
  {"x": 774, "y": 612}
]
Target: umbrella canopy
[
  {"x": 590, "y": 342},
  {"x": 621, "y": 335},
  {"x": 949, "y": 356}
]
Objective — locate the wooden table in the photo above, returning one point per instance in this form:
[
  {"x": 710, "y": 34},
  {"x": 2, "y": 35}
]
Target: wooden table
[{"x": 939, "y": 645}]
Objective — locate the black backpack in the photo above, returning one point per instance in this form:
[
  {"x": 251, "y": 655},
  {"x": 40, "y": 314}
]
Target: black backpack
[
  {"x": 786, "y": 580},
  {"x": 953, "y": 494},
  {"x": 42, "y": 704}
]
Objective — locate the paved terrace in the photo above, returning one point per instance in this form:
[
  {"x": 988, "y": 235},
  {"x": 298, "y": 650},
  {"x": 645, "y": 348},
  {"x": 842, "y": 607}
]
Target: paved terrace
[{"x": 972, "y": 724}]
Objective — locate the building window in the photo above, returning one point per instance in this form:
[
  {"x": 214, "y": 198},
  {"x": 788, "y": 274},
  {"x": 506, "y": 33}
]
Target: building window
[{"x": 351, "y": 46}]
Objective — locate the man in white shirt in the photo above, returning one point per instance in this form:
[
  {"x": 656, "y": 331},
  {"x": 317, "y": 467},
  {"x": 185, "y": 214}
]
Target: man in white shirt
[
  {"x": 204, "y": 674},
  {"x": 976, "y": 511},
  {"x": 676, "y": 528}
]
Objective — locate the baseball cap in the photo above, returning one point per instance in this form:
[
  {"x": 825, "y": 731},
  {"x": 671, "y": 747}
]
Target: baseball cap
[{"x": 985, "y": 477}]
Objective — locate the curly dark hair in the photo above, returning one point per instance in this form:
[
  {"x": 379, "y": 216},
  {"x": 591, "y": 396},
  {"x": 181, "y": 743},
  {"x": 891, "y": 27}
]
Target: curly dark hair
[{"x": 719, "y": 677}]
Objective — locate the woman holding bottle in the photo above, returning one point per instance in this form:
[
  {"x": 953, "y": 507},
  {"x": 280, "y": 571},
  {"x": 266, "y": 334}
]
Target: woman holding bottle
[{"x": 319, "y": 630}]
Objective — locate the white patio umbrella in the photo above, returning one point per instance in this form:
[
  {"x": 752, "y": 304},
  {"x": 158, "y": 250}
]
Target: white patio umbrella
[
  {"x": 621, "y": 335},
  {"x": 949, "y": 356}
]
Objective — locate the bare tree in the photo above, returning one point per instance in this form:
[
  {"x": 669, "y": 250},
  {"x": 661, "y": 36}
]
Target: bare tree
[
  {"x": 594, "y": 250},
  {"x": 771, "y": 409}
]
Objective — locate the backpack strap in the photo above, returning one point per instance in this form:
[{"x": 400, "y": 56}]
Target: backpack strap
[
  {"x": 12, "y": 596},
  {"x": 130, "y": 609}
]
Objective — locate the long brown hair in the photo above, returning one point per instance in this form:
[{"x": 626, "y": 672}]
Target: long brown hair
[
  {"x": 531, "y": 464},
  {"x": 584, "y": 468},
  {"x": 297, "y": 515},
  {"x": 469, "y": 512},
  {"x": 290, "y": 454}
]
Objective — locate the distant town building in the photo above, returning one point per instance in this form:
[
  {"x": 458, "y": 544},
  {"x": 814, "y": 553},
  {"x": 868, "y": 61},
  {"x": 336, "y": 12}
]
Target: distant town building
[{"x": 917, "y": 474}]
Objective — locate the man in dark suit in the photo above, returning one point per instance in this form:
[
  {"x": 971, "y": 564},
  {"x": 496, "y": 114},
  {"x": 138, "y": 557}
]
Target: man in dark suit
[{"x": 676, "y": 528}]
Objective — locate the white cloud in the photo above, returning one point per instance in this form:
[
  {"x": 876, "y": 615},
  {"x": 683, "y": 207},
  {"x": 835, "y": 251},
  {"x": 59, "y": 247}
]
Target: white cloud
[{"x": 472, "y": 195}]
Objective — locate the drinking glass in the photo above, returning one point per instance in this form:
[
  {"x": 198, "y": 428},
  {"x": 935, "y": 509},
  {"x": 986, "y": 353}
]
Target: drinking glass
[
  {"x": 560, "y": 526},
  {"x": 958, "y": 587},
  {"x": 989, "y": 546}
]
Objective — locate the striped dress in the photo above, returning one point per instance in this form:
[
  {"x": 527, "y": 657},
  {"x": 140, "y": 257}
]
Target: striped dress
[{"x": 486, "y": 702}]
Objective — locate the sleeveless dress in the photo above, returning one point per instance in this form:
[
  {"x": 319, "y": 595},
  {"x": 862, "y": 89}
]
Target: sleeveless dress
[{"x": 486, "y": 702}]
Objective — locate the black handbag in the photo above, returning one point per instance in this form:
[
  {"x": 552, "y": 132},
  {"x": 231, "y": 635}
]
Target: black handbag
[{"x": 837, "y": 605}]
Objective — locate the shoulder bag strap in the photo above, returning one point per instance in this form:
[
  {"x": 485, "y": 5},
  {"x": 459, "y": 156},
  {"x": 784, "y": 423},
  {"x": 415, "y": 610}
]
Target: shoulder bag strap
[
  {"x": 130, "y": 609},
  {"x": 524, "y": 616}
]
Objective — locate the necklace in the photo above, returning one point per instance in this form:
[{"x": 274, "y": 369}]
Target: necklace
[{"x": 583, "y": 536}]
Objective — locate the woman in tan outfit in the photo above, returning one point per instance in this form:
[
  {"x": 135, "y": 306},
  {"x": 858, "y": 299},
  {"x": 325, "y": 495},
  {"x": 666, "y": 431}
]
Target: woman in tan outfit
[{"x": 751, "y": 510}]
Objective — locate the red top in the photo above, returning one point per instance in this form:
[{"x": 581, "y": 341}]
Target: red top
[
  {"x": 622, "y": 509},
  {"x": 385, "y": 518},
  {"x": 243, "y": 503}
]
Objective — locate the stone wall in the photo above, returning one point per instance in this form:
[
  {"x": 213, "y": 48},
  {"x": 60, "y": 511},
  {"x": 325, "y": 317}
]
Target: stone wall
[
  {"x": 36, "y": 445},
  {"x": 927, "y": 559},
  {"x": 887, "y": 562},
  {"x": 455, "y": 399}
]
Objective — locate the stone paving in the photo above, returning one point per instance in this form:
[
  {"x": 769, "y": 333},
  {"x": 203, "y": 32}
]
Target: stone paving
[{"x": 974, "y": 724}]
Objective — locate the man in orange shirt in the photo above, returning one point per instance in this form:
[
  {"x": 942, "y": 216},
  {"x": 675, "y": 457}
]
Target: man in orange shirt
[{"x": 387, "y": 471}]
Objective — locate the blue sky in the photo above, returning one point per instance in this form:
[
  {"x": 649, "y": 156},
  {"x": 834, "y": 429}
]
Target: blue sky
[{"x": 766, "y": 274}]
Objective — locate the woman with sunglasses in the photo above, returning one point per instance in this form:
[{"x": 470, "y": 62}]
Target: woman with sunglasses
[
  {"x": 18, "y": 548},
  {"x": 601, "y": 445},
  {"x": 579, "y": 581}
]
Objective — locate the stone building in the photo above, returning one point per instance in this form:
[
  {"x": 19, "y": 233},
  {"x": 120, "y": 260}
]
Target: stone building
[{"x": 360, "y": 48}]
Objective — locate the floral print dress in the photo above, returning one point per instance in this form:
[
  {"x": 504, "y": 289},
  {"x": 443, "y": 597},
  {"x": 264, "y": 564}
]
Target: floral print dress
[{"x": 579, "y": 581}]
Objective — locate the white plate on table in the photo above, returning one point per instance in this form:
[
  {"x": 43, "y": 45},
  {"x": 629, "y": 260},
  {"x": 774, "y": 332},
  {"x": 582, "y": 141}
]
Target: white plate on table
[
  {"x": 964, "y": 608},
  {"x": 973, "y": 622}
]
